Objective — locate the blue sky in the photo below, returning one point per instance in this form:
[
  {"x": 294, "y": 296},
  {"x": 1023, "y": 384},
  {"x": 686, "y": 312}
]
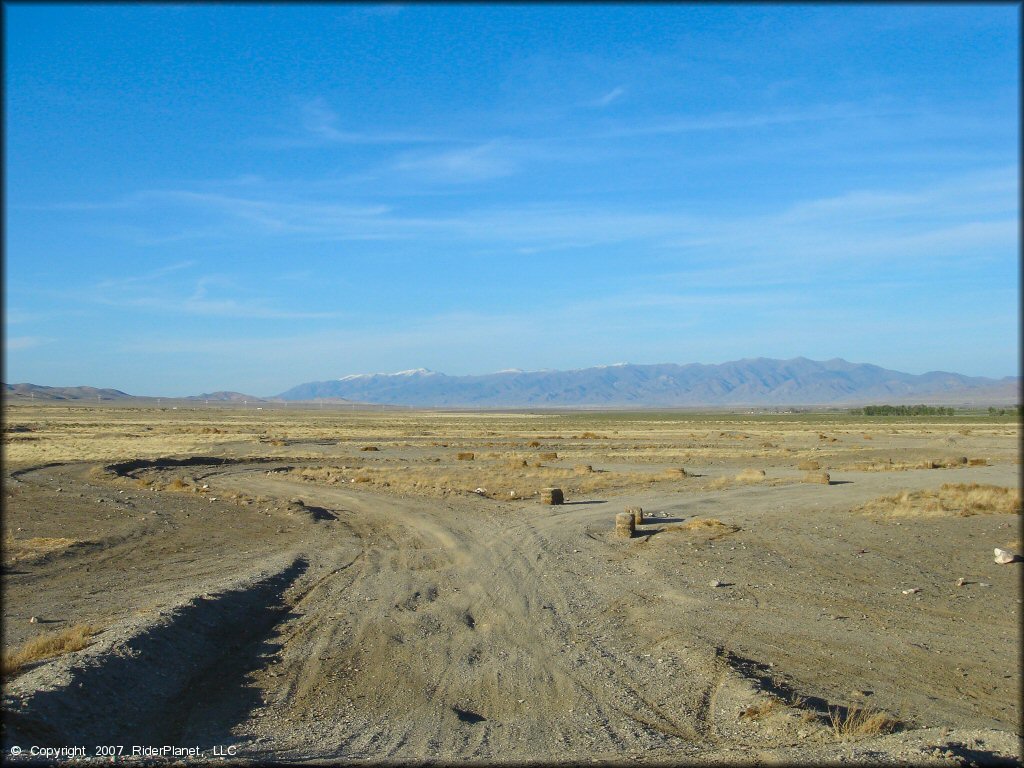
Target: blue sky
[{"x": 251, "y": 197}]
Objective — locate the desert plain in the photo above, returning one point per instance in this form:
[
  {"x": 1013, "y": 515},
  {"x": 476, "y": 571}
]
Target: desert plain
[{"x": 323, "y": 584}]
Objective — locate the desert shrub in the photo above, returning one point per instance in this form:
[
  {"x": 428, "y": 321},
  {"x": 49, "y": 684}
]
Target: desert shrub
[
  {"x": 761, "y": 709},
  {"x": 963, "y": 499},
  {"x": 857, "y": 721},
  {"x": 47, "y": 646},
  {"x": 178, "y": 484},
  {"x": 750, "y": 476},
  {"x": 17, "y": 550},
  {"x": 710, "y": 527}
]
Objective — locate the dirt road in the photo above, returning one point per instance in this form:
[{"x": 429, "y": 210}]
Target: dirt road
[{"x": 362, "y": 625}]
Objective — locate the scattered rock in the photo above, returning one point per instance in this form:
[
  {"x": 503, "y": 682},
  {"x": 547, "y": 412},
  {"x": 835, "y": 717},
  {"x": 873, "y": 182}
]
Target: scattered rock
[
  {"x": 911, "y": 591},
  {"x": 717, "y": 583},
  {"x": 33, "y": 620},
  {"x": 961, "y": 581},
  {"x": 1005, "y": 556}
]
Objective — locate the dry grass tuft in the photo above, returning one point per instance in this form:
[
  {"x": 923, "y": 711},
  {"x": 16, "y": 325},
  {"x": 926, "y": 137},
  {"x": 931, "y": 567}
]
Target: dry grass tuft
[
  {"x": 750, "y": 476},
  {"x": 888, "y": 465},
  {"x": 705, "y": 522},
  {"x": 761, "y": 709},
  {"x": 178, "y": 484},
  {"x": 369, "y": 448},
  {"x": 19, "y": 550},
  {"x": 809, "y": 465},
  {"x": 548, "y": 455},
  {"x": 817, "y": 477},
  {"x": 963, "y": 499},
  {"x": 674, "y": 473},
  {"x": 465, "y": 456},
  {"x": 859, "y": 721},
  {"x": 73, "y": 638},
  {"x": 707, "y": 526}
]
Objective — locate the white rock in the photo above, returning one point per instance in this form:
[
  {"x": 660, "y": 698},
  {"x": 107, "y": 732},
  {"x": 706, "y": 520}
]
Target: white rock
[
  {"x": 33, "y": 620},
  {"x": 912, "y": 591},
  {"x": 961, "y": 581},
  {"x": 1004, "y": 556},
  {"x": 716, "y": 583}
]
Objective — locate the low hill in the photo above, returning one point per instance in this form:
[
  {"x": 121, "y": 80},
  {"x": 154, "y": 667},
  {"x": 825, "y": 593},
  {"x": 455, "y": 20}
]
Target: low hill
[{"x": 41, "y": 393}]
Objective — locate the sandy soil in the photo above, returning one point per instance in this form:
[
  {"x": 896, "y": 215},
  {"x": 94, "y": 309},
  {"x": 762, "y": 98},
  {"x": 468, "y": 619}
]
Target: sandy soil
[{"x": 376, "y": 608}]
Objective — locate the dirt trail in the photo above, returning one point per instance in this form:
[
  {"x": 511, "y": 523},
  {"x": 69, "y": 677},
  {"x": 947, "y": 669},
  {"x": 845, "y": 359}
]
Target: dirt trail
[
  {"x": 514, "y": 631},
  {"x": 362, "y": 625},
  {"x": 461, "y": 627}
]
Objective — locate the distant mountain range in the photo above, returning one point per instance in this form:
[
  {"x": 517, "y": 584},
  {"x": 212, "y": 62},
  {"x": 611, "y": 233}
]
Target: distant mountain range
[
  {"x": 48, "y": 394},
  {"x": 753, "y": 382},
  {"x": 758, "y": 382}
]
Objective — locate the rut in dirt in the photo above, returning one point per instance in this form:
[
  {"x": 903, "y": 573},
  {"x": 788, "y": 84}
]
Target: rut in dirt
[{"x": 144, "y": 688}]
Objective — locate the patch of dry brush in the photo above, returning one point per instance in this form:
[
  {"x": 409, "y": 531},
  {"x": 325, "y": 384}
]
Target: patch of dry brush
[
  {"x": 19, "y": 550},
  {"x": 503, "y": 478},
  {"x": 708, "y": 527},
  {"x": 963, "y": 499},
  {"x": 74, "y": 638},
  {"x": 857, "y": 721}
]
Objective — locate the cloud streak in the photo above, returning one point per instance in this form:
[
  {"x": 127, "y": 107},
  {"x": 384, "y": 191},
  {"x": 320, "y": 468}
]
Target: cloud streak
[
  {"x": 969, "y": 213},
  {"x": 613, "y": 95},
  {"x": 17, "y": 343},
  {"x": 490, "y": 160}
]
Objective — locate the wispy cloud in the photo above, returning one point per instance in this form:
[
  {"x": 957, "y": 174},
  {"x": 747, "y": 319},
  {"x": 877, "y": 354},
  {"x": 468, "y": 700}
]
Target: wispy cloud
[
  {"x": 963, "y": 214},
  {"x": 17, "y": 316},
  {"x": 131, "y": 281},
  {"x": 490, "y": 160},
  {"x": 321, "y": 125},
  {"x": 613, "y": 95},
  {"x": 203, "y": 296},
  {"x": 723, "y": 121},
  {"x": 201, "y": 305},
  {"x": 26, "y": 342}
]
